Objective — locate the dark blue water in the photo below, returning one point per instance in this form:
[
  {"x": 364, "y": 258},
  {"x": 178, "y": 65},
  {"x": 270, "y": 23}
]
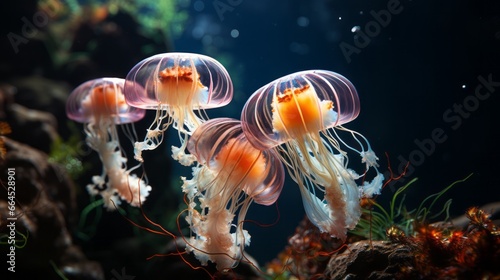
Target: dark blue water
[{"x": 427, "y": 73}]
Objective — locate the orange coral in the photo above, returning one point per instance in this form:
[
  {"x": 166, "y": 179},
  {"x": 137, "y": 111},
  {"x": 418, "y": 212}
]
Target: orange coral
[
  {"x": 307, "y": 253},
  {"x": 473, "y": 253}
]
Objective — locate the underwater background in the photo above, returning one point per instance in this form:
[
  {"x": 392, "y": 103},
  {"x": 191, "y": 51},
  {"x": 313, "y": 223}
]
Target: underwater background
[{"x": 427, "y": 74}]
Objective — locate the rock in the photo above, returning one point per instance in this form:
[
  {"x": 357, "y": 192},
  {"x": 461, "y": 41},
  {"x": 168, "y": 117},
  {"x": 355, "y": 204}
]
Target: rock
[
  {"x": 45, "y": 212},
  {"x": 42, "y": 94},
  {"x": 33, "y": 127},
  {"x": 370, "y": 260}
]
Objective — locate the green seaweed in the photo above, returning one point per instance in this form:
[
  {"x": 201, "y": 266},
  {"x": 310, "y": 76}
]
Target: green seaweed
[
  {"x": 376, "y": 221},
  {"x": 87, "y": 230},
  {"x": 66, "y": 153},
  {"x": 57, "y": 270},
  {"x": 23, "y": 240}
]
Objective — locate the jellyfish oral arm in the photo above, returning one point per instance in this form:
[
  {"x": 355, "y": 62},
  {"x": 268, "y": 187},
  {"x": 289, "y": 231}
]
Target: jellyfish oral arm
[
  {"x": 185, "y": 121},
  {"x": 104, "y": 140},
  {"x": 369, "y": 189},
  {"x": 154, "y": 134},
  {"x": 216, "y": 238},
  {"x": 179, "y": 153},
  {"x": 320, "y": 172}
]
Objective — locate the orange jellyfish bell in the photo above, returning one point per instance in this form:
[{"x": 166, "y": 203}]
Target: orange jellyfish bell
[
  {"x": 101, "y": 106},
  {"x": 175, "y": 85},
  {"x": 230, "y": 176},
  {"x": 301, "y": 115},
  {"x": 297, "y": 104},
  {"x": 101, "y": 100}
]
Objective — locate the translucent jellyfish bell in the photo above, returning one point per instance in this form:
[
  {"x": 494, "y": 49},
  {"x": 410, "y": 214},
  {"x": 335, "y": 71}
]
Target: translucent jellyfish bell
[
  {"x": 231, "y": 175},
  {"x": 301, "y": 114},
  {"x": 175, "y": 85},
  {"x": 101, "y": 100},
  {"x": 100, "y": 105},
  {"x": 297, "y": 104}
]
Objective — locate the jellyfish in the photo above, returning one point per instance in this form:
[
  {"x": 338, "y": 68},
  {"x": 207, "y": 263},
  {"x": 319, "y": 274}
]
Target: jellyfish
[
  {"x": 301, "y": 116},
  {"x": 175, "y": 85},
  {"x": 230, "y": 175},
  {"x": 100, "y": 105}
]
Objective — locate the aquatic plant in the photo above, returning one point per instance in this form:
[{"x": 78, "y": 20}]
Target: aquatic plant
[
  {"x": 164, "y": 17},
  {"x": 379, "y": 223},
  {"x": 157, "y": 19},
  {"x": 18, "y": 242},
  {"x": 425, "y": 250},
  {"x": 67, "y": 153}
]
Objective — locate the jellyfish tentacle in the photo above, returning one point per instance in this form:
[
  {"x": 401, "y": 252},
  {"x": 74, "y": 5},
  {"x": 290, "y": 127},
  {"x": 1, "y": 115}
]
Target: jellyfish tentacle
[
  {"x": 368, "y": 156},
  {"x": 154, "y": 135},
  {"x": 328, "y": 175}
]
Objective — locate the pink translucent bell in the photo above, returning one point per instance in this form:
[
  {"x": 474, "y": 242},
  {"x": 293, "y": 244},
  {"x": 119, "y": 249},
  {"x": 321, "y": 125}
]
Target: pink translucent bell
[
  {"x": 299, "y": 103},
  {"x": 101, "y": 99},
  {"x": 221, "y": 146},
  {"x": 100, "y": 105},
  {"x": 178, "y": 79}
]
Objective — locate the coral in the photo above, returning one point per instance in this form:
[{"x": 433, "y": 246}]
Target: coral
[
  {"x": 306, "y": 255},
  {"x": 435, "y": 251},
  {"x": 411, "y": 247},
  {"x": 449, "y": 253}
]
